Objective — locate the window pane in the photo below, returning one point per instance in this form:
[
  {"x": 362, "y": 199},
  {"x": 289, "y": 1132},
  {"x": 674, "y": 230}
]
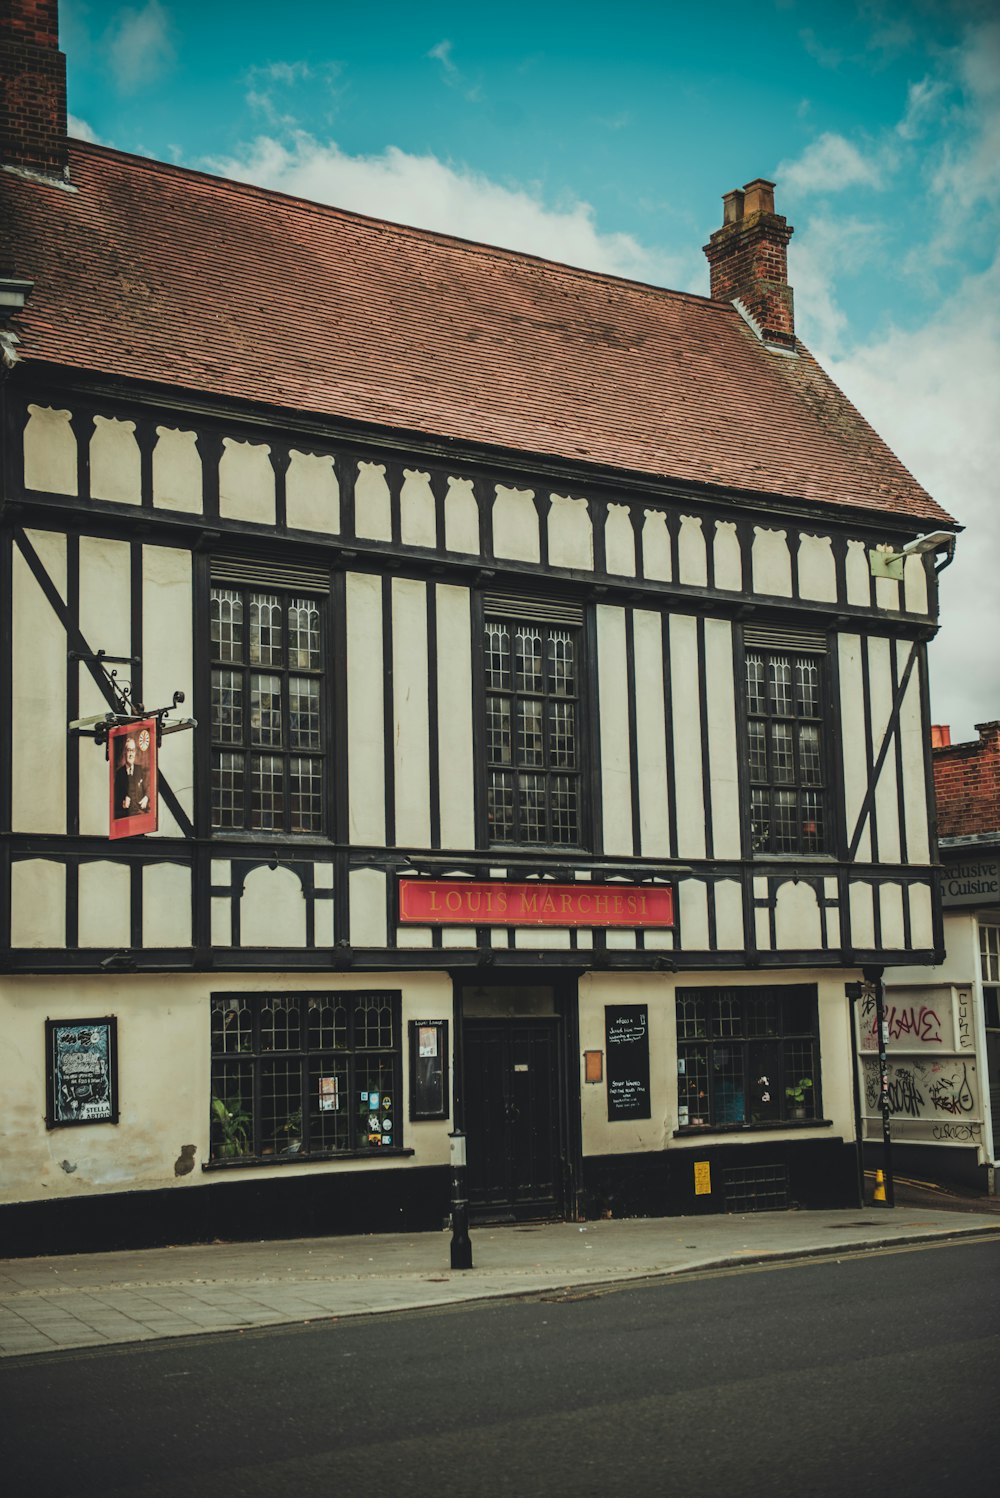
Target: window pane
[
  {"x": 782, "y": 754},
  {"x": 807, "y": 687},
  {"x": 303, "y": 635},
  {"x": 562, "y": 736},
  {"x": 760, "y": 820},
  {"x": 279, "y": 1025},
  {"x": 813, "y": 832},
  {"x": 759, "y": 1062},
  {"x": 497, "y": 657},
  {"x": 265, "y": 629},
  {"x": 305, "y": 787},
  {"x": 757, "y": 734},
  {"x": 280, "y": 1107},
  {"x": 529, "y": 732},
  {"x": 499, "y": 749},
  {"x": 227, "y": 790},
  {"x": 810, "y": 770},
  {"x": 267, "y": 794},
  {"x": 500, "y": 806},
  {"x": 756, "y": 701},
  {"x": 562, "y": 665},
  {"x": 528, "y": 660},
  {"x": 785, "y": 822},
  {"x": 304, "y": 729},
  {"x": 780, "y": 682},
  {"x": 227, "y": 707},
  {"x": 565, "y": 821},
  {"x": 531, "y": 807},
  {"x": 226, "y": 610},
  {"x": 231, "y": 1113},
  {"x": 265, "y": 710}
]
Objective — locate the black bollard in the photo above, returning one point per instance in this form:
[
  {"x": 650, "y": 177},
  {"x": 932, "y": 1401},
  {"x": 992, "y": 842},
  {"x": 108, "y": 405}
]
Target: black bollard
[{"x": 461, "y": 1247}]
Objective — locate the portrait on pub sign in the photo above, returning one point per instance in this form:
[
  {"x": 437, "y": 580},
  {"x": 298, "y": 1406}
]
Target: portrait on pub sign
[{"x": 132, "y": 768}]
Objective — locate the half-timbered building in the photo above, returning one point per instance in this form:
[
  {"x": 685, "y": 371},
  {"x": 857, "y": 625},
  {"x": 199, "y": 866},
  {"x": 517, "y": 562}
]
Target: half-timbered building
[{"x": 555, "y": 650}]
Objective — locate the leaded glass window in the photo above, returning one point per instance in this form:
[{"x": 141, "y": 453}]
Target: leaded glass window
[
  {"x": 303, "y": 1075},
  {"x": 533, "y": 763},
  {"x": 785, "y": 752},
  {"x": 746, "y": 1056},
  {"x": 267, "y": 711}
]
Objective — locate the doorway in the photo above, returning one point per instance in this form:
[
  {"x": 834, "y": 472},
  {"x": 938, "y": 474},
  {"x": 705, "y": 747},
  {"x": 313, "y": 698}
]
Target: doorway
[{"x": 514, "y": 1091}]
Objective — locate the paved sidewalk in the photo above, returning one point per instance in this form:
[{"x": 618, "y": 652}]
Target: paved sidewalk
[{"x": 91, "y": 1300}]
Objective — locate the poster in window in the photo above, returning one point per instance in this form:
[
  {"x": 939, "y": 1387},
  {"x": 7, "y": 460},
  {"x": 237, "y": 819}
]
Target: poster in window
[
  {"x": 428, "y": 1068},
  {"x": 81, "y": 1071},
  {"x": 329, "y": 1094},
  {"x": 132, "y": 771}
]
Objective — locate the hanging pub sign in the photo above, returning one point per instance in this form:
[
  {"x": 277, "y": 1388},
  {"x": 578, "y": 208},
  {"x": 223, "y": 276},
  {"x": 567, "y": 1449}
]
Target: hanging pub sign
[
  {"x": 81, "y": 1071},
  {"x": 132, "y": 768},
  {"x": 473, "y": 902}
]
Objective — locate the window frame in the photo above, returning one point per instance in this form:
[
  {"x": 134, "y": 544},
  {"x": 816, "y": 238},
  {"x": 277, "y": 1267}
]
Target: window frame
[
  {"x": 247, "y": 581},
  {"x": 525, "y": 613},
  {"x": 312, "y": 1063},
  {"x": 787, "y": 1074},
  {"x": 798, "y": 648}
]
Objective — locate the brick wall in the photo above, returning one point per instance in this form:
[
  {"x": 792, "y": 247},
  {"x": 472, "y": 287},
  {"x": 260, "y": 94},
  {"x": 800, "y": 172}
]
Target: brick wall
[
  {"x": 967, "y": 784},
  {"x": 748, "y": 257},
  {"x": 32, "y": 87}
]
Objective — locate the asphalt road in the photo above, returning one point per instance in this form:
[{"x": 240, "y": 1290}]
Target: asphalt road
[{"x": 861, "y": 1376}]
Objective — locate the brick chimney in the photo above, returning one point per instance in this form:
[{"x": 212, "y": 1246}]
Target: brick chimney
[
  {"x": 32, "y": 88},
  {"x": 749, "y": 261}
]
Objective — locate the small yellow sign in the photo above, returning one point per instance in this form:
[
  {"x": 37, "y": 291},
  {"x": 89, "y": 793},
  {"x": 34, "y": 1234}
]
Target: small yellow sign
[{"x": 702, "y": 1178}]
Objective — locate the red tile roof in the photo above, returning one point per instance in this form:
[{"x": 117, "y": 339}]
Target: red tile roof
[{"x": 155, "y": 273}]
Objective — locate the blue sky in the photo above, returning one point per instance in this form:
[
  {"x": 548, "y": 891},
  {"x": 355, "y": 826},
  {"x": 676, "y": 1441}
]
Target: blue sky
[{"x": 606, "y": 135}]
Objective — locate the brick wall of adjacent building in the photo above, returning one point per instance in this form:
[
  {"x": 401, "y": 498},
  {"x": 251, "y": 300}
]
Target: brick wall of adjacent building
[
  {"x": 32, "y": 87},
  {"x": 967, "y": 783}
]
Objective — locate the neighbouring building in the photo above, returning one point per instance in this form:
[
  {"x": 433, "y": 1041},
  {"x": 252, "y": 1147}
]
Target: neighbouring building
[
  {"x": 556, "y": 650},
  {"x": 944, "y": 1021}
]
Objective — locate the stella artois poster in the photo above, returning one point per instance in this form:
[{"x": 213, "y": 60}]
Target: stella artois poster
[{"x": 132, "y": 767}]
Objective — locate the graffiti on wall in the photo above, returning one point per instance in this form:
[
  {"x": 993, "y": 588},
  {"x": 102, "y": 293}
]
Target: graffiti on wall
[
  {"x": 907, "y": 1023},
  {"x": 934, "y": 1098}
]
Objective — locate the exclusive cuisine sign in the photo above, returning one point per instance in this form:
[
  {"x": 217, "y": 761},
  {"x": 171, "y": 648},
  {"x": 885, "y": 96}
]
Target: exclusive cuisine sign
[{"x": 468, "y": 902}]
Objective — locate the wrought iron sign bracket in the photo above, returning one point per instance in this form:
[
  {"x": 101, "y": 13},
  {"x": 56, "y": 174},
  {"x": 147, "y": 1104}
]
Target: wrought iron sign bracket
[{"x": 126, "y": 709}]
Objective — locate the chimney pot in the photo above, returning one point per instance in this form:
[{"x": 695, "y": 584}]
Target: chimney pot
[
  {"x": 732, "y": 207},
  {"x": 940, "y": 735},
  {"x": 758, "y": 196},
  {"x": 748, "y": 257}
]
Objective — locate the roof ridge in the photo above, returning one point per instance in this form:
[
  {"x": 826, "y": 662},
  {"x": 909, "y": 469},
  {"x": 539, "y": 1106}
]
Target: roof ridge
[{"x": 480, "y": 246}]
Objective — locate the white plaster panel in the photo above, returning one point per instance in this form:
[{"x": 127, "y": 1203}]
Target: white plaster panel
[
  {"x": 323, "y": 876},
  {"x": 891, "y": 909},
  {"x": 620, "y": 941},
  {"x": 222, "y": 921},
  {"x": 515, "y": 525},
  {"x": 38, "y": 720},
  {"x": 654, "y": 941},
  {"x": 417, "y": 516},
  {"x": 862, "y": 915},
  {"x": 688, "y": 783},
  {"x": 177, "y": 473},
  {"x": 921, "y": 916},
  {"x": 914, "y": 784},
  {"x": 729, "y": 915},
  {"x": 771, "y": 563},
  {"x": 619, "y": 541},
  {"x": 832, "y": 928},
  {"x": 886, "y": 801},
  {"x": 455, "y": 756},
  {"x": 411, "y": 729},
  {"x": 49, "y": 451},
  {"x": 817, "y": 570},
  {"x": 166, "y": 905},
  {"x": 273, "y": 909},
  {"x": 549, "y": 939},
  {"x": 312, "y": 493},
  {"x": 692, "y": 557},
  {"x": 222, "y": 871},
  {"x": 368, "y": 912},
  {"x": 604, "y": 1136},
  {"x": 37, "y": 903},
  {"x": 105, "y": 916},
  {"x": 723, "y": 757},
  {"x": 167, "y": 658},
  {"x": 852, "y": 740},
  {"x": 246, "y": 482},
  {"x": 106, "y": 623},
  {"x": 460, "y": 937},
  {"x": 694, "y": 915},
  {"x": 728, "y": 561},
  {"x": 915, "y": 585},
  {"x": 461, "y": 517},
  {"x": 887, "y": 594},
  {"x": 414, "y": 936},
  {"x": 616, "y": 785},
  {"x": 858, "y": 575},
  {"x": 650, "y": 734},
  {"x": 762, "y": 928},
  {"x": 365, "y": 726},
  {"x": 656, "y": 547},
  {"x": 323, "y": 923},
  {"x": 571, "y": 535},
  {"x": 372, "y": 504},
  {"x": 797, "y": 918},
  {"x": 499, "y": 938},
  {"x": 114, "y": 462}
]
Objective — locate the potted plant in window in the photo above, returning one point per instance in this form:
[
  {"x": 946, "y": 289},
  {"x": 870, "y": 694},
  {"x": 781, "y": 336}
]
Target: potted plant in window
[
  {"x": 234, "y": 1124},
  {"x": 795, "y": 1093},
  {"x": 292, "y": 1127}
]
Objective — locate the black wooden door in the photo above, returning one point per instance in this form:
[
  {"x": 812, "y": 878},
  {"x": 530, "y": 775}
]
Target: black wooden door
[{"x": 512, "y": 1117}]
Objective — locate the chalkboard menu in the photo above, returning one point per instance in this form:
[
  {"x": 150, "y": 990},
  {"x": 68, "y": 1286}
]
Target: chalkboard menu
[{"x": 627, "y": 1030}]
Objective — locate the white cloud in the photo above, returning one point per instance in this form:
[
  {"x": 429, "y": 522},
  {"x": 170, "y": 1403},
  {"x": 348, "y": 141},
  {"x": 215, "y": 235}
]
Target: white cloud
[
  {"x": 824, "y": 245},
  {"x": 138, "y": 45},
  {"x": 922, "y": 104},
  {"x": 80, "y": 130},
  {"x": 829, "y": 164},
  {"x": 452, "y": 199},
  {"x": 452, "y": 74},
  {"x": 933, "y": 394}
]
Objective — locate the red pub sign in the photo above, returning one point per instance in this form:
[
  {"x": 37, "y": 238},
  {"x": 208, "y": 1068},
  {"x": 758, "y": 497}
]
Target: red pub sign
[{"x": 468, "y": 902}]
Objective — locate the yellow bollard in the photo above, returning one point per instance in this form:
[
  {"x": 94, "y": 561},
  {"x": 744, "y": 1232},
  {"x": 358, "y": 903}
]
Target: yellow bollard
[{"x": 879, "y": 1187}]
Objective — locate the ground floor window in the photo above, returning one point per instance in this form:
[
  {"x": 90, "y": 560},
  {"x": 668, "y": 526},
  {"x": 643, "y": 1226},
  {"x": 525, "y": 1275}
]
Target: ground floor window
[
  {"x": 304, "y": 1074},
  {"x": 746, "y": 1056}
]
